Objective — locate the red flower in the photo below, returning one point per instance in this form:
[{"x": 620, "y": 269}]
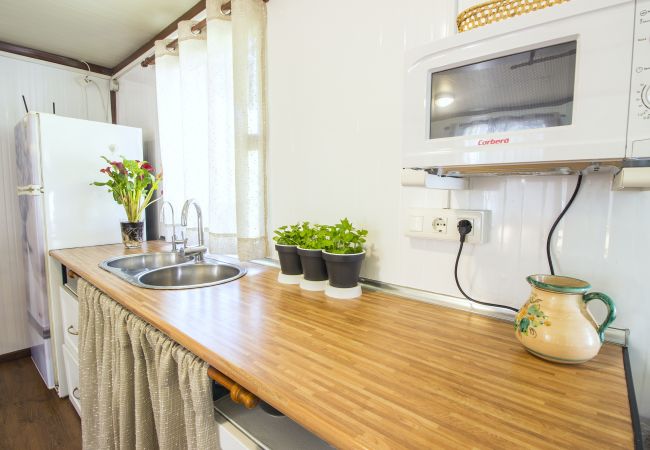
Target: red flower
[
  {"x": 148, "y": 167},
  {"x": 119, "y": 166}
]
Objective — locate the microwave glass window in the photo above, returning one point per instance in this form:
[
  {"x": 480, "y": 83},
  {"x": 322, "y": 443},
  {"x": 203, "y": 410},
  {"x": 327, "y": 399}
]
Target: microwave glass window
[{"x": 532, "y": 89}]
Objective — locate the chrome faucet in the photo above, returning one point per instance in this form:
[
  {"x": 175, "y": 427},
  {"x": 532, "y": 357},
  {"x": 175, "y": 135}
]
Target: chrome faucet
[
  {"x": 161, "y": 219},
  {"x": 200, "y": 249}
]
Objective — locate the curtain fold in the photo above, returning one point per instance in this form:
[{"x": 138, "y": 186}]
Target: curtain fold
[
  {"x": 221, "y": 132},
  {"x": 170, "y": 127},
  {"x": 193, "y": 62},
  {"x": 249, "y": 75},
  {"x": 139, "y": 389}
]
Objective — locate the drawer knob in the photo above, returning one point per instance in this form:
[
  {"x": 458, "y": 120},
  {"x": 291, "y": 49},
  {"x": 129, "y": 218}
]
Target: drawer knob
[
  {"x": 71, "y": 329},
  {"x": 76, "y": 394}
]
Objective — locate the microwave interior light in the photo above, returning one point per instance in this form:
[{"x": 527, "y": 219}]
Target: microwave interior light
[{"x": 443, "y": 100}]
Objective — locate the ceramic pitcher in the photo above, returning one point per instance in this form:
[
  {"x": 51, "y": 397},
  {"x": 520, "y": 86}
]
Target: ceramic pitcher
[{"x": 555, "y": 324}]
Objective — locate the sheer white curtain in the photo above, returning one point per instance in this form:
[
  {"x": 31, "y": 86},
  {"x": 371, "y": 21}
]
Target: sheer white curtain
[
  {"x": 221, "y": 115},
  {"x": 212, "y": 114},
  {"x": 193, "y": 62},
  {"x": 249, "y": 68},
  {"x": 168, "y": 95}
]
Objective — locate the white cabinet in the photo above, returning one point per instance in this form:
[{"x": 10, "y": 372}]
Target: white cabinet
[
  {"x": 70, "y": 313},
  {"x": 70, "y": 347},
  {"x": 72, "y": 373},
  {"x": 230, "y": 438}
]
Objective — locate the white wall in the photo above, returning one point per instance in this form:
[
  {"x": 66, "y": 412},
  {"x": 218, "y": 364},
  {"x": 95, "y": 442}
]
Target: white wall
[
  {"x": 335, "y": 92},
  {"x": 41, "y": 84},
  {"x": 136, "y": 107}
]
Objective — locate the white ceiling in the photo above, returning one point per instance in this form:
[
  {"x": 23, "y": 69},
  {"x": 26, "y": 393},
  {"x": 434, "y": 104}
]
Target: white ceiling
[{"x": 102, "y": 32}]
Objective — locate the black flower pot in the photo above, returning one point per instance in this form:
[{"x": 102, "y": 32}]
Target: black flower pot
[
  {"x": 343, "y": 269},
  {"x": 313, "y": 266},
  {"x": 289, "y": 259},
  {"x": 132, "y": 233}
]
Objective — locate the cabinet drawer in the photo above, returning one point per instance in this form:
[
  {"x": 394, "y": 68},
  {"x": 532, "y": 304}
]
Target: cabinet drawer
[
  {"x": 71, "y": 281},
  {"x": 72, "y": 375},
  {"x": 70, "y": 312}
]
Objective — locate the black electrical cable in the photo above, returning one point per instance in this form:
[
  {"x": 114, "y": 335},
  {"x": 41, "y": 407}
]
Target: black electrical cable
[
  {"x": 557, "y": 221},
  {"x": 464, "y": 227}
]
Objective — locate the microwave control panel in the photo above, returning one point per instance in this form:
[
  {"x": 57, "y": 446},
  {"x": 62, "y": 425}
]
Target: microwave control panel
[{"x": 639, "y": 126}]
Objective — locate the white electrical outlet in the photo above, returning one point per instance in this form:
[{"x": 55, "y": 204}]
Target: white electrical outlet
[
  {"x": 443, "y": 224},
  {"x": 439, "y": 225}
]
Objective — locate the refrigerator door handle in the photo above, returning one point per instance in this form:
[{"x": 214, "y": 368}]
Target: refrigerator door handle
[{"x": 31, "y": 189}]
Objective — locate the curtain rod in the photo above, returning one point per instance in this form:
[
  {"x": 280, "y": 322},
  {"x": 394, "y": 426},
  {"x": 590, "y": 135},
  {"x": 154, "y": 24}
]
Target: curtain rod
[
  {"x": 196, "y": 29},
  {"x": 226, "y": 10}
]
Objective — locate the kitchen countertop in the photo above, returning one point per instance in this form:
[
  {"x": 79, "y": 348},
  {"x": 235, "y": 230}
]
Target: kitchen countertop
[{"x": 381, "y": 371}]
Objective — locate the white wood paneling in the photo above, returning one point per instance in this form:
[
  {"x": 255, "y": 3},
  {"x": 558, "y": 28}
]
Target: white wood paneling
[
  {"x": 41, "y": 84},
  {"x": 335, "y": 151}
]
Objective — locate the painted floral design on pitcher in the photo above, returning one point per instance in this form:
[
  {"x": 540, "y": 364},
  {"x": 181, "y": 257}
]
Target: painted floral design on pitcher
[
  {"x": 574, "y": 336},
  {"x": 531, "y": 316}
]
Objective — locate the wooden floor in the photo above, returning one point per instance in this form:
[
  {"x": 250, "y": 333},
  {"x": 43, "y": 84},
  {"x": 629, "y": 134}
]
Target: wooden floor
[{"x": 31, "y": 416}]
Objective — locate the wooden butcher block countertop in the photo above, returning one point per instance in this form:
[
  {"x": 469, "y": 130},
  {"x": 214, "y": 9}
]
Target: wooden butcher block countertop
[{"x": 381, "y": 372}]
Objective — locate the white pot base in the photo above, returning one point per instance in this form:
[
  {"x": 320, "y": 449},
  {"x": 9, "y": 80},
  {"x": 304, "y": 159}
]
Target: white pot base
[
  {"x": 309, "y": 285},
  {"x": 343, "y": 293},
  {"x": 289, "y": 279}
]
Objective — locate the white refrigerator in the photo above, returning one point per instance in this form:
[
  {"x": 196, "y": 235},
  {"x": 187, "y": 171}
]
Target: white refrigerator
[{"x": 57, "y": 160}]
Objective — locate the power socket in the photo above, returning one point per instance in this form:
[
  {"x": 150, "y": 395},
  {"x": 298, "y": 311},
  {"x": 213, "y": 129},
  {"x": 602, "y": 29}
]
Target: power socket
[
  {"x": 443, "y": 224},
  {"x": 439, "y": 225},
  {"x": 470, "y": 220}
]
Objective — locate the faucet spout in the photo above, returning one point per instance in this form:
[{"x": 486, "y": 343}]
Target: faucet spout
[
  {"x": 161, "y": 219},
  {"x": 200, "y": 249}
]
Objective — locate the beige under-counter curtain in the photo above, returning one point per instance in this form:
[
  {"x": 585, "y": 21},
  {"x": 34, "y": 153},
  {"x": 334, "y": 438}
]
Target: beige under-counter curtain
[
  {"x": 221, "y": 134},
  {"x": 139, "y": 389}
]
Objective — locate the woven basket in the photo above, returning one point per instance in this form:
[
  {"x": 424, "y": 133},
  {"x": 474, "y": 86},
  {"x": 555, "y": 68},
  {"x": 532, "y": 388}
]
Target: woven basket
[{"x": 494, "y": 11}]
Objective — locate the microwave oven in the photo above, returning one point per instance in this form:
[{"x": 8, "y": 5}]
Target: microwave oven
[{"x": 565, "y": 87}]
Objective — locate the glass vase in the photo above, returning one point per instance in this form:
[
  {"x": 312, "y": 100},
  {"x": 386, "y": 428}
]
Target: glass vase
[{"x": 132, "y": 233}]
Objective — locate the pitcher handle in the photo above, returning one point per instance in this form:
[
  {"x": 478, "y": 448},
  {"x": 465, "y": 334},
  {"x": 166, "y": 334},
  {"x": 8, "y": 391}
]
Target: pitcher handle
[{"x": 611, "y": 311}]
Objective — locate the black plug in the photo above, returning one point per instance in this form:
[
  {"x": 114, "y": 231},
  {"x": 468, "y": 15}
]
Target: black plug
[{"x": 464, "y": 228}]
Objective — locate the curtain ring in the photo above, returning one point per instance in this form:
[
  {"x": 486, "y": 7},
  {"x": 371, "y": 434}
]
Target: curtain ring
[{"x": 226, "y": 8}]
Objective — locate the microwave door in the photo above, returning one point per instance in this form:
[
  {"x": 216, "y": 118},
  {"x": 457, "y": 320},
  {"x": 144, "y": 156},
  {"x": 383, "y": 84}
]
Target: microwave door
[{"x": 526, "y": 90}]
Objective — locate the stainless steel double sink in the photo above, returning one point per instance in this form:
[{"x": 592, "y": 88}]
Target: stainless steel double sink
[{"x": 172, "y": 270}]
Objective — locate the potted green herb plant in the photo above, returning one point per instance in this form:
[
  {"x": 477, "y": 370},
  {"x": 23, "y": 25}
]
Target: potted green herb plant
[
  {"x": 287, "y": 238},
  {"x": 132, "y": 184},
  {"x": 313, "y": 240},
  {"x": 343, "y": 258}
]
